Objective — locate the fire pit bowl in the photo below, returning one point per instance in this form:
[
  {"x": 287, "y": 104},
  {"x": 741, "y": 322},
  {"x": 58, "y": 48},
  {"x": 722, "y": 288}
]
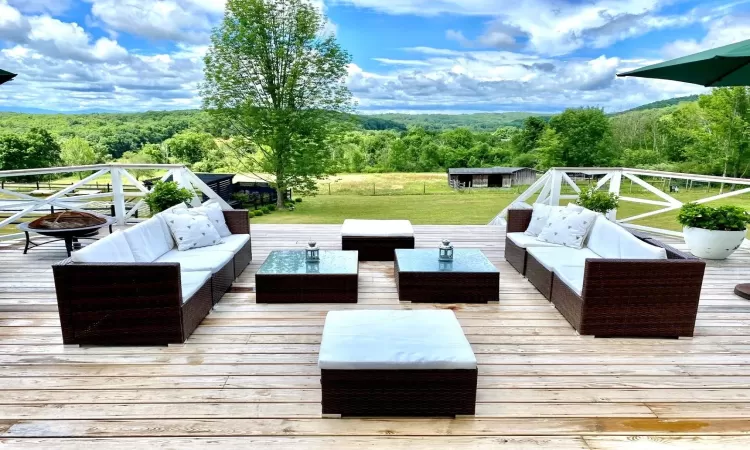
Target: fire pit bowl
[{"x": 68, "y": 226}]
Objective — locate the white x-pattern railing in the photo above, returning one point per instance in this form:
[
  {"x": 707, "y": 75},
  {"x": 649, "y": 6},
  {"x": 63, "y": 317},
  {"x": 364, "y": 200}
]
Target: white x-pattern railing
[
  {"x": 549, "y": 188},
  {"x": 15, "y": 205}
]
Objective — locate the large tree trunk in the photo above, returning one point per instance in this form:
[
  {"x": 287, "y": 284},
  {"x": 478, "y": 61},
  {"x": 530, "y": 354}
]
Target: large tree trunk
[{"x": 280, "y": 193}]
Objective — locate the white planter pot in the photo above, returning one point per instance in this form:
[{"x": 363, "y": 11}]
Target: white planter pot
[{"x": 712, "y": 244}]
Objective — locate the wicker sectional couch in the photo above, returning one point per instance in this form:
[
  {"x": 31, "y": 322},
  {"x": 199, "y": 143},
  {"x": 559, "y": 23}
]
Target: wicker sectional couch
[
  {"x": 618, "y": 285},
  {"x": 135, "y": 287}
]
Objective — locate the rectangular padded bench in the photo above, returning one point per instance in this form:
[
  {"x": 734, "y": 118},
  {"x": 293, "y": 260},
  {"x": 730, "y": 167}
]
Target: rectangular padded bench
[
  {"x": 396, "y": 363},
  {"x": 376, "y": 240}
]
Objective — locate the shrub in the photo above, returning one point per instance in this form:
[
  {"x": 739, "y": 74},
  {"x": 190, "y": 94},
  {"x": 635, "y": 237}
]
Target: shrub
[
  {"x": 298, "y": 200},
  {"x": 271, "y": 207},
  {"x": 266, "y": 209},
  {"x": 258, "y": 213},
  {"x": 599, "y": 201},
  {"x": 243, "y": 198},
  {"x": 165, "y": 195},
  {"x": 720, "y": 218}
]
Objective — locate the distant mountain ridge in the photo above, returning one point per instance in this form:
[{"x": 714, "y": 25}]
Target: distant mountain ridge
[
  {"x": 486, "y": 122},
  {"x": 661, "y": 104}
]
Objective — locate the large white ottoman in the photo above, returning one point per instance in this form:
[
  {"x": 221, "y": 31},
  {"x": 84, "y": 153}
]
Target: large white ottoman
[
  {"x": 396, "y": 363},
  {"x": 376, "y": 240}
]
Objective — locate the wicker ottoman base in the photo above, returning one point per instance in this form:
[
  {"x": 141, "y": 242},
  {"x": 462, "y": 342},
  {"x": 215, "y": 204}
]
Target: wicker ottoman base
[
  {"x": 404, "y": 393},
  {"x": 376, "y": 248}
]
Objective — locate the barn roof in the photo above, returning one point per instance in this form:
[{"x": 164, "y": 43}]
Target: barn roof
[{"x": 487, "y": 171}]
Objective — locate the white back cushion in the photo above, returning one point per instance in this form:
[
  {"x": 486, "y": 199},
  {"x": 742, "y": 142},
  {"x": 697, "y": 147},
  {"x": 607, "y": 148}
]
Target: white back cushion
[
  {"x": 612, "y": 241},
  {"x": 149, "y": 240},
  {"x": 111, "y": 249}
]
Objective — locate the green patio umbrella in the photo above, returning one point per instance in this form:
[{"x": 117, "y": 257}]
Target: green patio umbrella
[
  {"x": 722, "y": 66},
  {"x": 6, "y": 76}
]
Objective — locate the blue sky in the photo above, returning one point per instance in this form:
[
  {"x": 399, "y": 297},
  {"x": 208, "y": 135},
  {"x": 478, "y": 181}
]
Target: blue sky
[{"x": 408, "y": 55}]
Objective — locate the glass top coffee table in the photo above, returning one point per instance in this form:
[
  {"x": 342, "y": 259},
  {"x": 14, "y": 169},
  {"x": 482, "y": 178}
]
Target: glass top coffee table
[
  {"x": 286, "y": 277},
  {"x": 422, "y": 278}
]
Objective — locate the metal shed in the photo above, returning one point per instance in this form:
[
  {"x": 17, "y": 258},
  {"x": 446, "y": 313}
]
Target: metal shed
[{"x": 493, "y": 177}]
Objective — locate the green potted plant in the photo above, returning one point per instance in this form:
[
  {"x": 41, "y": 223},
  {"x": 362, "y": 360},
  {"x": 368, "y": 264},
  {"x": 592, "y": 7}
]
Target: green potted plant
[
  {"x": 166, "y": 194},
  {"x": 599, "y": 201},
  {"x": 713, "y": 232}
]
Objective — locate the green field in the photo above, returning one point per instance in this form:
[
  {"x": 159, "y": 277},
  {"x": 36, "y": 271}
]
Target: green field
[{"x": 401, "y": 196}]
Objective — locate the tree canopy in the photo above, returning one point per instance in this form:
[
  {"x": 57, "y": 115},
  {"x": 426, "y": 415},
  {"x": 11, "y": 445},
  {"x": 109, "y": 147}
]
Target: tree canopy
[{"x": 273, "y": 77}]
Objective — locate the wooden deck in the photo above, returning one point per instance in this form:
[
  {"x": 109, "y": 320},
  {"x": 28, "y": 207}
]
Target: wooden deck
[{"x": 248, "y": 377}]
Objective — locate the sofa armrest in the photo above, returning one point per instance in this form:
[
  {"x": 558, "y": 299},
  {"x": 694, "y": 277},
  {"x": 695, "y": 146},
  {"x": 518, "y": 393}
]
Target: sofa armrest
[
  {"x": 518, "y": 220},
  {"x": 238, "y": 221},
  {"x": 644, "y": 281},
  {"x": 94, "y": 286}
]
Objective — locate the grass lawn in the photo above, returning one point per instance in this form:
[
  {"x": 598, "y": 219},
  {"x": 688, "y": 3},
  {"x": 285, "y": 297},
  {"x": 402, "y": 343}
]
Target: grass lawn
[
  {"x": 468, "y": 208},
  {"x": 352, "y": 199}
]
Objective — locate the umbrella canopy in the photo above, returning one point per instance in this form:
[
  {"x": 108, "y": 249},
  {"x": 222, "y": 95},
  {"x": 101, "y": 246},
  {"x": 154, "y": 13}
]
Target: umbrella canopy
[
  {"x": 6, "y": 76},
  {"x": 723, "y": 66}
]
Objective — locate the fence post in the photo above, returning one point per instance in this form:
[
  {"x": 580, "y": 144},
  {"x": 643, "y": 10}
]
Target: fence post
[
  {"x": 329, "y": 188},
  {"x": 118, "y": 195},
  {"x": 424, "y": 191},
  {"x": 614, "y": 187},
  {"x": 373, "y": 189}
]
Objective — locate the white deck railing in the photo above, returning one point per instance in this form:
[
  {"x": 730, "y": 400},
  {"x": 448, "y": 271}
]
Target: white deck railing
[
  {"x": 15, "y": 205},
  {"x": 549, "y": 188}
]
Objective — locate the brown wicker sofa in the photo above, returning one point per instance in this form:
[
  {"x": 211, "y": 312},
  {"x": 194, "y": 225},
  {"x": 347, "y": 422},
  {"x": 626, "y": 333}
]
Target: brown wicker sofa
[
  {"x": 612, "y": 296},
  {"x": 111, "y": 300}
]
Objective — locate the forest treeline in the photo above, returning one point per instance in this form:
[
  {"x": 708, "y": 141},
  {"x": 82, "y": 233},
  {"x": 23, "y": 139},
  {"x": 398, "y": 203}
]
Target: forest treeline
[{"x": 710, "y": 135}]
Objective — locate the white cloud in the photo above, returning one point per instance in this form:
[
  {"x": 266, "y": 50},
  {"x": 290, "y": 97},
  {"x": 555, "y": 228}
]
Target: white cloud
[
  {"x": 727, "y": 30},
  {"x": 41, "y": 6},
  {"x": 550, "y": 27},
  {"x": 178, "y": 20}
]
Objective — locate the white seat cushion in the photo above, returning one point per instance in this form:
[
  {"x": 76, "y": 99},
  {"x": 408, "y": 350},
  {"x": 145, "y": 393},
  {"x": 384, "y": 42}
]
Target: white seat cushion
[
  {"x": 523, "y": 240},
  {"x": 377, "y": 228},
  {"x": 232, "y": 244},
  {"x": 552, "y": 258},
  {"x": 193, "y": 260},
  {"x": 111, "y": 249},
  {"x": 149, "y": 240},
  {"x": 191, "y": 282},
  {"x": 572, "y": 276},
  {"x": 612, "y": 241},
  {"x": 394, "y": 340}
]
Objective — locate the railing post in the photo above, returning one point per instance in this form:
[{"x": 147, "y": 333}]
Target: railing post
[
  {"x": 557, "y": 178},
  {"x": 118, "y": 196},
  {"x": 614, "y": 187}
]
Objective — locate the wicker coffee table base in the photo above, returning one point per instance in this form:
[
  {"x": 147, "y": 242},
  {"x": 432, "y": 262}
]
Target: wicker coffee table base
[
  {"x": 440, "y": 287},
  {"x": 402, "y": 393},
  {"x": 306, "y": 288}
]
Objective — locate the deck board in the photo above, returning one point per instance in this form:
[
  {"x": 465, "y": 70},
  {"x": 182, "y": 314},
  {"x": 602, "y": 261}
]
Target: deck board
[{"x": 248, "y": 377}]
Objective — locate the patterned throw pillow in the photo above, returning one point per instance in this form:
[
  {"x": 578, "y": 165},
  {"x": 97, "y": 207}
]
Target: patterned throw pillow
[
  {"x": 539, "y": 218},
  {"x": 568, "y": 228},
  {"x": 192, "y": 231},
  {"x": 214, "y": 212}
]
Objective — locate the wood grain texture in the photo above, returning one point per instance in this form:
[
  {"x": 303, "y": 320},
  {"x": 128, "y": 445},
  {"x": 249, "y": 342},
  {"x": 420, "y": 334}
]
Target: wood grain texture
[{"x": 248, "y": 378}]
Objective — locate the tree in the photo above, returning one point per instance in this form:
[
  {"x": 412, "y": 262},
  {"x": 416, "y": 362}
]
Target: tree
[
  {"x": 189, "y": 147},
  {"x": 78, "y": 152},
  {"x": 273, "y": 78},
  {"x": 526, "y": 141},
  {"x": 585, "y": 138},
  {"x": 34, "y": 149}
]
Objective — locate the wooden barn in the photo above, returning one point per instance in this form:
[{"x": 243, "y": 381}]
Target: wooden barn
[{"x": 493, "y": 177}]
